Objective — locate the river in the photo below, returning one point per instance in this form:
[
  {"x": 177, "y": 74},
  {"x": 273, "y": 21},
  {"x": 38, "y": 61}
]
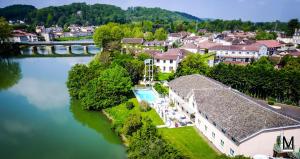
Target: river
[{"x": 38, "y": 120}]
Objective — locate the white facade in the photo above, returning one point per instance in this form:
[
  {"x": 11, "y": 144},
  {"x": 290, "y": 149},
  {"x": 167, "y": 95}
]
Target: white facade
[
  {"x": 260, "y": 143},
  {"x": 166, "y": 65},
  {"x": 241, "y": 55}
]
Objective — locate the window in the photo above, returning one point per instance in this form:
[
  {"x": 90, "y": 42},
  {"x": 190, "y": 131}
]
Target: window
[
  {"x": 171, "y": 61},
  {"x": 231, "y": 152},
  {"x": 234, "y": 59},
  {"x": 213, "y": 134},
  {"x": 222, "y": 143},
  {"x": 157, "y": 60},
  {"x": 240, "y": 52},
  {"x": 171, "y": 68},
  {"x": 247, "y": 52},
  {"x": 164, "y": 68},
  {"x": 205, "y": 128},
  {"x": 164, "y": 61}
]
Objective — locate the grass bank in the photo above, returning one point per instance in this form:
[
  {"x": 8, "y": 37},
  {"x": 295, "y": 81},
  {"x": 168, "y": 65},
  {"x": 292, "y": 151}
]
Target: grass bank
[{"x": 188, "y": 141}]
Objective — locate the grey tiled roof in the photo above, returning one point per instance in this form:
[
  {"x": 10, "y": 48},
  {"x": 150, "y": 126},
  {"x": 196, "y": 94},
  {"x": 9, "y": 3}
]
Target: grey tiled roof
[{"x": 238, "y": 115}]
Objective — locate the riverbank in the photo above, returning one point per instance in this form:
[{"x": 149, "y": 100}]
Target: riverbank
[{"x": 185, "y": 139}]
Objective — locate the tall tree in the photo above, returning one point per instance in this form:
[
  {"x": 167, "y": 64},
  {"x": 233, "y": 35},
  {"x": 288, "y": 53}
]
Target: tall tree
[
  {"x": 291, "y": 26},
  {"x": 5, "y": 29},
  {"x": 160, "y": 34}
]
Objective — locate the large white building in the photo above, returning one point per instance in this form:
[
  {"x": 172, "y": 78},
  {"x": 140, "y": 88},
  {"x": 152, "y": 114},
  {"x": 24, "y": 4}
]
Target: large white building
[
  {"x": 239, "y": 53},
  {"x": 22, "y": 36},
  {"x": 168, "y": 61},
  {"x": 235, "y": 123}
]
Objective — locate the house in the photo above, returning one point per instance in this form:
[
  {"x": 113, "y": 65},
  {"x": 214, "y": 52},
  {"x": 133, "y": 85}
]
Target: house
[
  {"x": 296, "y": 37},
  {"x": 155, "y": 43},
  {"x": 233, "y": 122},
  {"x": 204, "y": 46},
  {"x": 177, "y": 37},
  {"x": 191, "y": 39},
  {"x": 239, "y": 53},
  {"x": 22, "y": 36},
  {"x": 168, "y": 61},
  {"x": 133, "y": 44},
  {"x": 272, "y": 45},
  {"x": 191, "y": 47}
]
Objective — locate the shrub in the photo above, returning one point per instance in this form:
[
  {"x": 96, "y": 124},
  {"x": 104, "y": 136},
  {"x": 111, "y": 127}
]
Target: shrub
[
  {"x": 132, "y": 124},
  {"x": 144, "y": 106},
  {"x": 271, "y": 102},
  {"x": 129, "y": 105}
]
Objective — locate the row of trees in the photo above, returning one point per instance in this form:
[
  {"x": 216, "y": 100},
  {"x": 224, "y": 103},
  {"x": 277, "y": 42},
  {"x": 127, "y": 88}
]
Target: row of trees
[
  {"x": 99, "y": 14},
  {"x": 259, "y": 79},
  {"x": 114, "y": 32}
]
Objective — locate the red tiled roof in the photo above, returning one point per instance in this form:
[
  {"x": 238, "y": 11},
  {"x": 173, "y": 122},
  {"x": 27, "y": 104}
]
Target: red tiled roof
[
  {"x": 294, "y": 53},
  {"x": 269, "y": 43},
  {"x": 189, "y": 46},
  {"x": 171, "y": 54},
  {"x": 132, "y": 40},
  {"x": 251, "y": 47},
  {"x": 17, "y": 33},
  {"x": 206, "y": 44}
]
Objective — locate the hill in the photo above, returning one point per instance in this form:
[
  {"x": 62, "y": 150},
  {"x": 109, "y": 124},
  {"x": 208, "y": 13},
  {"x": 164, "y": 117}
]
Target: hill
[{"x": 84, "y": 14}]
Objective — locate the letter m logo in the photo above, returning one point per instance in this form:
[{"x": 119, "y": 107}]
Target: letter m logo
[{"x": 288, "y": 145}]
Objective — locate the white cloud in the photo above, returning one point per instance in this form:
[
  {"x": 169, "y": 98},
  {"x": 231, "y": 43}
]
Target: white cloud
[{"x": 42, "y": 94}]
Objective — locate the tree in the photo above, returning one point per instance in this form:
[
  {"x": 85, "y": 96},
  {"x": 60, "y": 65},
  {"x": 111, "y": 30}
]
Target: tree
[
  {"x": 146, "y": 143},
  {"x": 5, "y": 30},
  {"x": 143, "y": 56},
  {"x": 160, "y": 34},
  {"x": 10, "y": 73},
  {"x": 291, "y": 26},
  {"x": 135, "y": 69},
  {"x": 112, "y": 87},
  {"x": 77, "y": 78},
  {"x": 149, "y": 36},
  {"x": 137, "y": 32},
  {"x": 132, "y": 124},
  {"x": 262, "y": 35},
  {"x": 192, "y": 64},
  {"x": 102, "y": 36}
]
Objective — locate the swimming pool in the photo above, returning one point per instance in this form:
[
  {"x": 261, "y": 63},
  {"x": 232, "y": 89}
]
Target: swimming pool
[{"x": 145, "y": 94}]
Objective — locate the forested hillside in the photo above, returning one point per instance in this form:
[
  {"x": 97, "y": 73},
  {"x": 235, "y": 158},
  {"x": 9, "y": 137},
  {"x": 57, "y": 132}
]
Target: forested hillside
[{"x": 84, "y": 14}]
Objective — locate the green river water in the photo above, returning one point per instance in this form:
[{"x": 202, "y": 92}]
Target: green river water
[{"x": 38, "y": 120}]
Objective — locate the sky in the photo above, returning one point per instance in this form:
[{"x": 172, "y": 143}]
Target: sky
[{"x": 253, "y": 10}]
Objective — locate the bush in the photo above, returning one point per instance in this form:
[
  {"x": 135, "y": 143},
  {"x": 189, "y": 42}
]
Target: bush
[
  {"x": 271, "y": 102},
  {"x": 129, "y": 105},
  {"x": 132, "y": 124},
  {"x": 161, "y": 89},
  {"x": 144, "y": 106}
]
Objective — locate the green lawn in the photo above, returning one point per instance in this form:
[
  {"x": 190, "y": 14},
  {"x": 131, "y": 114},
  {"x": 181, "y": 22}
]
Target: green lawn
[
  {"x": 120, "y": 113},
  {"x": 189, "y": 142},
  {"x": 163, "y": 76}
]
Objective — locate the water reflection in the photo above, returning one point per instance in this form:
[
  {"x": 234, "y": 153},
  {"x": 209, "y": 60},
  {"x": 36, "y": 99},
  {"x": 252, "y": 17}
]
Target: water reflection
[
  {"x": 94, "y": 120},
  {"x": 42, "y": 94},
  {"x": 10, "y": 73}
]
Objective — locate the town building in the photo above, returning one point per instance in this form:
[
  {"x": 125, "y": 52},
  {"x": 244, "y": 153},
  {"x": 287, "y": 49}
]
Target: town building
[
  {"x": 168, "y": 61},
  {"x": 296, "y": 37},
  {"x": 22, "y": 36},
  {"x": 191, "y": 47},
  {"x": 272, "y": 45},
  {"x": 239, "y": 53},
  {"x": 233, "y": 122}
]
